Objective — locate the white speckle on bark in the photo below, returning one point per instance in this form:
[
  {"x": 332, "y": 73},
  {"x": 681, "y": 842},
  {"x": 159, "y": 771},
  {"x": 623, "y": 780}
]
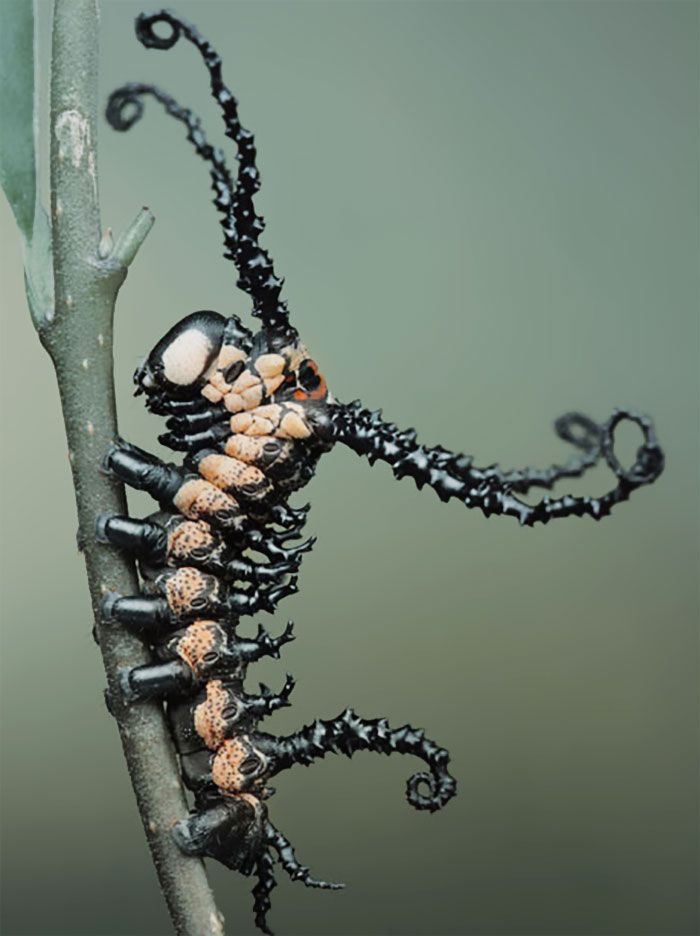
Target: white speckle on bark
[
  {"x": 72, "y": 131},
  {"x": 58, "y": 210},
  {"x": 90, "y": 428},
  {"x": 71, "y": 456},
  {"x": 101, "y": 340},
  {"x": 92, "y": 168},
  {"x": 86, "y": 363},
  {"x": 152, "y": 826},
  {"x": 69, "y": 301}
]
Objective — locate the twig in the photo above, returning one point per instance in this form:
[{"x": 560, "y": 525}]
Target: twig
[{"x": 75, "y": 327}]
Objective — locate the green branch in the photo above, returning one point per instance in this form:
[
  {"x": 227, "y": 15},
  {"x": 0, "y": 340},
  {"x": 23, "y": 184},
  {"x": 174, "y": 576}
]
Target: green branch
[{"x": 73, "y": 274}]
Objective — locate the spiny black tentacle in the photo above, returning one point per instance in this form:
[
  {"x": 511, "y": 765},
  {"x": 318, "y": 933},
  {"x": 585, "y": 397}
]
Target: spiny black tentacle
[
  {"x": 588, "y": 439},
  {"x": 349, "y": 733},
  {"x": 491, "y": 489},
  {"x": 291, "y": 864},
  {"x": 264, "y": 871},
  {"x": 125, "y": 108}
]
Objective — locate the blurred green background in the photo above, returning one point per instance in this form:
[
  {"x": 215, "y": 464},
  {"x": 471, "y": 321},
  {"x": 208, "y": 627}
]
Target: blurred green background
[{"x": 487, "y": 214}]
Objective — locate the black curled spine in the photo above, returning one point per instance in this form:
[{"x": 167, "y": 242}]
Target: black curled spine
[
  {"x": 347, "y": 734},
  {"x": 491, "y": 489},
  {"x": 241, "y": 225}
]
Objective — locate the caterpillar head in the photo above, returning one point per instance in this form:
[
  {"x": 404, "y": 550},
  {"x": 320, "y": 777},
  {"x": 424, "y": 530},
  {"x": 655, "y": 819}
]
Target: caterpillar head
[
  {"x": 206, "y": 357},
  {"x": 178, "y": 365}
]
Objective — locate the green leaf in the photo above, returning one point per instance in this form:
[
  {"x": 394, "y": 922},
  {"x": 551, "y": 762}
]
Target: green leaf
[{"x": 17, "y": 157}]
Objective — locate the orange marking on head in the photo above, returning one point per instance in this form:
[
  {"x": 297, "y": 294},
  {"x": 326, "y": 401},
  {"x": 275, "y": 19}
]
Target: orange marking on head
[{"x": 321, "y": 392}]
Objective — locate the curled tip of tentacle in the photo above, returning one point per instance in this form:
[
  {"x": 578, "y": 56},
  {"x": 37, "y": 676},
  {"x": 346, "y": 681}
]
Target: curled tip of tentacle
[
  {"x": 650, "y": 457},
  {"x": 442, "y": 788},
  {"x": 124, "y": 109},
  {"x": 579, "y": 430},
  {"x": 148, "y": 37}
]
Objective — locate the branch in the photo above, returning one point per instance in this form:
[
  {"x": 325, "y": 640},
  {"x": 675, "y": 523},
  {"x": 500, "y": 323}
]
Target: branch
[{"x": 76, "y": 329}]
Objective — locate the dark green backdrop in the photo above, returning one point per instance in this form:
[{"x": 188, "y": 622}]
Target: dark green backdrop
[{"x": 487, "y": 214}]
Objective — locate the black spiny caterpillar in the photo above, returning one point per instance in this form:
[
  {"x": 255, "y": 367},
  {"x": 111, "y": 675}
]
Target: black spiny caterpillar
[{"x": 253, "y": 415}]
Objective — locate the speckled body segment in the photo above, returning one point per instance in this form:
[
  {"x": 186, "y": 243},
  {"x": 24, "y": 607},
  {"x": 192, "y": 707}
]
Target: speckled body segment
[{"x": 253, "y": 414}]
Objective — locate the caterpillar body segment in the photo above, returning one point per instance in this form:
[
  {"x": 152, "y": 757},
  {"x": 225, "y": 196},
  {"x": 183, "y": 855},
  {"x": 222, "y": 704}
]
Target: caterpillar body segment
[
  {"x": 252, "y": 415},
  {"x": 225, "y": 543}
]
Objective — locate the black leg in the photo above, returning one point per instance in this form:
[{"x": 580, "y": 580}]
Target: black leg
[
  {"x": 194, "y": 441},
  {"x": 156, "y": 681},
  {"x": 231, "y": 830},
  {"x": 143, "y": 471},
  {"x": 145, "y": 538},
  {"x": 196, "y": 422},
  {"x": 147, "y": 616},
  {"x": 194, "y": 835},
  {"x": 162, "y": 404}
]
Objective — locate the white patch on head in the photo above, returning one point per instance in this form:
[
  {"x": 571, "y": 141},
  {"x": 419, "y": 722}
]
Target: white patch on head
[{"x": 185, "y": 359}]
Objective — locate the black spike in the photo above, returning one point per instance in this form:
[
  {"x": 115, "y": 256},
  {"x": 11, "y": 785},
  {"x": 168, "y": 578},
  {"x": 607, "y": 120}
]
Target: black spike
[{"x": 492, "y": 489}]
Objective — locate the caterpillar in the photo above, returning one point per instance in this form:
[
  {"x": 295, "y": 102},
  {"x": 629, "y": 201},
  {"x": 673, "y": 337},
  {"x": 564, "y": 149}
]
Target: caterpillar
[{"x": 252, "y": 414}]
